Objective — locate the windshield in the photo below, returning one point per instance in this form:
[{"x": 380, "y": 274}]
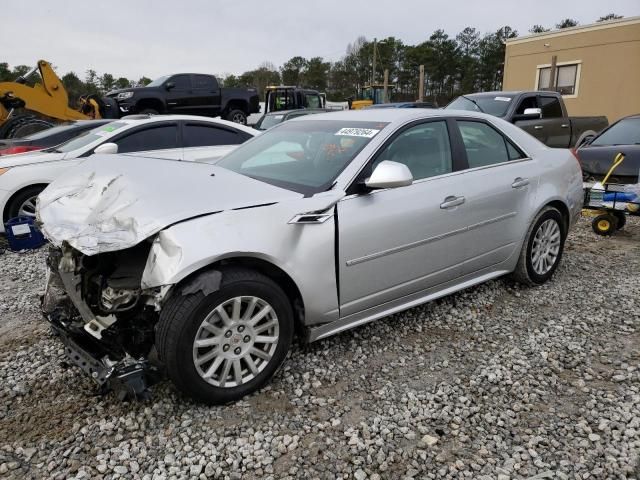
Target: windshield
[
  {"x": 625, "y": 132},
  {"x": 305, "y": 156},
  {"x": 269, "y": 121},
  {"x": 88, "y": 137},
  {"x": 158, "y": 81},
  {"x": 496, "y": 106}
]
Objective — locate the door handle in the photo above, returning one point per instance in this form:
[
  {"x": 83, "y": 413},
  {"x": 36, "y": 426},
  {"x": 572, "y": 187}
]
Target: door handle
[
  {"x": 451, "y": 202},
  {"x": 520, "y": 182},
  {"x": 564, "y": 125},
  {"x": 538, "y": 127}
]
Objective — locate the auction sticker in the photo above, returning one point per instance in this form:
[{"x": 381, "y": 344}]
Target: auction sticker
[
  {"x": 503, "y": 99},
  {"x": 357, "y": 132}
]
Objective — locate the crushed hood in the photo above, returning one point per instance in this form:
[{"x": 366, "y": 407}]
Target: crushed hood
[{"x": 112, "y": 202}]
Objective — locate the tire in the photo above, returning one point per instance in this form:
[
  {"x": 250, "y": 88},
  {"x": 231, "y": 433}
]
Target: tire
[
  {"x": 586, "y": 134},
  {"x": 237, "y": 116},
  {"x": 149, "y": 111},
  {"x": 25, "y": 198},
  {"x": 182, "y": 323},
  {"x": 605, "y": 224},
  {"x": 24, "y": 125},
  {"x": 622, "y": 220},
  {"x": 529, "y": 271}
]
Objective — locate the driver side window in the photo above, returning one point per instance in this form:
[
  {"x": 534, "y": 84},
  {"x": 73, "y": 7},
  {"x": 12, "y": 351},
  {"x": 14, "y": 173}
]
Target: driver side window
[
  {"x": 424, "y": 148},
  {"x": 529, "y": 102}
]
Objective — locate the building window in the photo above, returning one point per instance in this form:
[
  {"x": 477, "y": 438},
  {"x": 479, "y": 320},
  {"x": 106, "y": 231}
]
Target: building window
[{"x": 567, "y": 75}]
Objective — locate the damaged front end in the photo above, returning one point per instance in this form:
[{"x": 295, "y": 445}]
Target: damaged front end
[{"x": 103, "y": 316}]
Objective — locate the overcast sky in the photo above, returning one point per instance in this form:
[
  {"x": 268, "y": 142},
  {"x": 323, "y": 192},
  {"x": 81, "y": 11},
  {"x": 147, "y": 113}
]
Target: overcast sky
[{"x": 154, "y": 37}]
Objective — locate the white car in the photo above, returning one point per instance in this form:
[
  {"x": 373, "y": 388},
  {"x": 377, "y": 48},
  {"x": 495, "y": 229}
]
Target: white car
[{"x": 177, "y": 137}]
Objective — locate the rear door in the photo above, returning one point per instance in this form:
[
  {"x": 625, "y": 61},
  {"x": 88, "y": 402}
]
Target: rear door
[
  {"x": 400, "y": 241},
  {"x": 206, "y": 95},
  {"x": 499, "y": 186},
  {"x": 203, "y": 141},
  {"x": 180, "y": 97}
]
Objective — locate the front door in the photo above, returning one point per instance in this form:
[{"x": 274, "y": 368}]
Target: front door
[
  {"x": 399, "y": 241},
  {"x": 179, "y": 96}
]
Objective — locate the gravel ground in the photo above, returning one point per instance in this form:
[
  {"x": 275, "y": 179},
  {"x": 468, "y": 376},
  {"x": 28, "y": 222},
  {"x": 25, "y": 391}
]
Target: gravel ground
[{"x": 497, "y": 382}]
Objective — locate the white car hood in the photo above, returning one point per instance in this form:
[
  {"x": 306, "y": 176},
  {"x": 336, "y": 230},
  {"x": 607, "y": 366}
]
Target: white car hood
[
  {"x": 108, "y": 204},
  {"x": 28, "y": 158}
]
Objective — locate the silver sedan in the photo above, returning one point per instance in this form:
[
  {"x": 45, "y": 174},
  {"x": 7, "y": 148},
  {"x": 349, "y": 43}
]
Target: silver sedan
[{"x": 320, "y": 225}]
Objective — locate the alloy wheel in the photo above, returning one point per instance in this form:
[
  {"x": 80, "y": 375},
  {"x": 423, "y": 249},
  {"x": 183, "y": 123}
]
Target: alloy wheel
[
  {"x": 28, "y": 208},
  {"x": 236, "y": 341},
  {"x": 546, "y": 246}
]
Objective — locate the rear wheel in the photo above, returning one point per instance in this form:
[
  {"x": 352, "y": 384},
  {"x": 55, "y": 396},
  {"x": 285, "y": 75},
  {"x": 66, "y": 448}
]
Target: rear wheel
[
  {"x": 222, "y": 346},
  {"x": 605, "y": 224},
  {"x": 542, "y": 249},
  {"x": 149, "y": 111},
  {"x": 23, "y": 204},
  {"x": 237, "y": 116}
]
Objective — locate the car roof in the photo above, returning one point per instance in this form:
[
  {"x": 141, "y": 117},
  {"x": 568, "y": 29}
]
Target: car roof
[
  {"x": 297, "y": 110},
  {"x": 82, "y": 123},
  {"x": 141, "y": 119},
  {"x": 390, "y": 115}
]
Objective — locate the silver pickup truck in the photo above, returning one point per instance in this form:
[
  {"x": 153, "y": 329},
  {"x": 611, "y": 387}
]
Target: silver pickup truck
[{"x": 542, "y": 114}]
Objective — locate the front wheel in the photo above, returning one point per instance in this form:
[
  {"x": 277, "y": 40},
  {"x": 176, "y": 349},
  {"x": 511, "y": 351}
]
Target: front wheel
[
  {"x": 23, "y": 204},
  {"x": 219, "y": 347},
  {"x": 237, "y": 116},
  {"x": 542, "y": 249}
]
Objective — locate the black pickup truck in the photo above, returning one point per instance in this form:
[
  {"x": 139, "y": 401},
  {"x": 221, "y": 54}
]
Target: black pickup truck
[
  {"x": 186, "y": 93},
  {"x": 542, "y": 114}
]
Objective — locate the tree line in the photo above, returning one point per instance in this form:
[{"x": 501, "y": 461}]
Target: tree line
[{"x": 467, "y": 62}]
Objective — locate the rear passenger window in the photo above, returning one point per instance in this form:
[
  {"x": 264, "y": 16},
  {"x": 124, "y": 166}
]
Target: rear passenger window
[
  {"x": 424, "y": 148},
  {"x": 205, "y": 136},
  {"x": 155, "y": 138},
  {"x": 203, "y": 82},
  {"x": 485, "y": 146},
  {"x": 550, "y": 107}
]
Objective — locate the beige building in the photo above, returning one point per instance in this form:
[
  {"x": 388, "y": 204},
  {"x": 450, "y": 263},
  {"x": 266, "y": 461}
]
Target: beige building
[{"x": 597, "y": 66}]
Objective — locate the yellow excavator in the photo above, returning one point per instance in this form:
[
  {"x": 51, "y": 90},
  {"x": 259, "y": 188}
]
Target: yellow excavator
[
  {"x": 369, "y": 95},
  {"x": 26, "y": 109}
]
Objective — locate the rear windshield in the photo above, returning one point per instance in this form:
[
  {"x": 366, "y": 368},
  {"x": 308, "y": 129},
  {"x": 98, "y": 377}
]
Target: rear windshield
[
  {"x": 269, "y": 121},
  {"x": 625, "y": 132},
  {"x": 305, "y": 156},
  {"x": 493, "y": 105},
  {"x": 86, "y": 138},
  {"x": 51, "y": 131}
]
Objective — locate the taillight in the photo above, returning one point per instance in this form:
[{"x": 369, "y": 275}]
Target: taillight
[{"x": 20, "y": 149}]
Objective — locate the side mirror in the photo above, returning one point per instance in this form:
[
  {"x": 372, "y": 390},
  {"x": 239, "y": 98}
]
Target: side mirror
[
  {"x": 389, "y": 174},
  {"x": 533, "y": 111},
  {"x": 169, "y": 85},
  {"x": 108, "y": 148}
]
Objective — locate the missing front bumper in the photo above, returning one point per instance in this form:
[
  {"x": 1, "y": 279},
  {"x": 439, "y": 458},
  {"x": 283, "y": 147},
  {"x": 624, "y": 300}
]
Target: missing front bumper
[
  {"x": 108, "y": 366},
  {"x": 127, "y": 377}
]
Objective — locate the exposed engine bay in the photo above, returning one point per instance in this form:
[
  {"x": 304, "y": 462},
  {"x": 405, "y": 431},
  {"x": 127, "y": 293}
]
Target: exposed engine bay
[{"x": 104, "y": 318}]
